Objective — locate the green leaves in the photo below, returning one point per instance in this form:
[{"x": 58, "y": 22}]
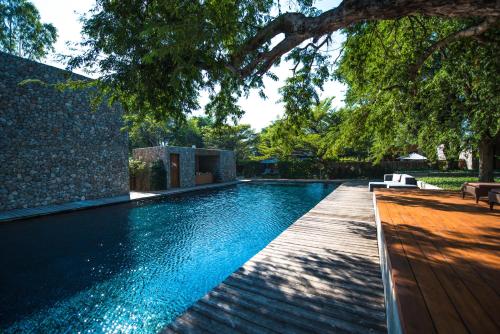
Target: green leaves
[
  {"x": 158, "y": 55},
  {"x": 21, "y": 31},
  {"x": 453, "y": 100},
  {"x": 310, "y": 134}
]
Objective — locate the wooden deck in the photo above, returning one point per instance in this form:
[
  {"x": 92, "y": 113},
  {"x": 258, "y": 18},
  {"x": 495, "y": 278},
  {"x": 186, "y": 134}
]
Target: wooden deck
[
  {"x": 321, "y": 275},
  {"x": 444, "y": 254}
]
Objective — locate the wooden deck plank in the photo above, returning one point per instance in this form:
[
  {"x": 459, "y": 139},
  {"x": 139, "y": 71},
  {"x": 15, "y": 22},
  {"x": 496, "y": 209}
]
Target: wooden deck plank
[
  {"x": 440, "y": 307},
  {"x": 469, "y": 307},
  {"x": 452, "y": 245},
  {"x": 405, "y": 283},
  {"x": 321, "y": 275},
  {"x": 338, "y": 305},
  {"x": 482, "y": 290}
]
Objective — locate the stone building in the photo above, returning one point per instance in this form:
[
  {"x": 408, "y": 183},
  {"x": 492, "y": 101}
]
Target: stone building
[
  {"x": 53, "y": 147},
  {"x": 188, "y": 167}
]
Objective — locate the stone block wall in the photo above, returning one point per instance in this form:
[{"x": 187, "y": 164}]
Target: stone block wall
[
  {"x": 225, "y": 163},
  {"x": 53, "y": 147},
  {"x": 186, "y": 161},
  {"x": 187, "y": 165},
  {"x": 227, "y": 166}
]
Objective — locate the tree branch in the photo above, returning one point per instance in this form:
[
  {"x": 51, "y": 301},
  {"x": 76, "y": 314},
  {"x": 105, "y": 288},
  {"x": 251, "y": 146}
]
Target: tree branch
[
  {"x": 473, "y": 31},
  {"x": 298, "y": 28}
]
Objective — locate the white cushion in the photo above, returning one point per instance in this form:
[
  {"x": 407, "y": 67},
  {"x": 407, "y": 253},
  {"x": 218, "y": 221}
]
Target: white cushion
[{"x": 396, "y": 177}]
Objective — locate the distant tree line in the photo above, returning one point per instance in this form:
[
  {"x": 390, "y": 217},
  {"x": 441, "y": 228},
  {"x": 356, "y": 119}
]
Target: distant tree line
[{"x": 21, "y": 31}]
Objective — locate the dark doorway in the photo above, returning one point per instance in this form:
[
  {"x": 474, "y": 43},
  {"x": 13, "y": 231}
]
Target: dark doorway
[{"x": 174, "y": 171}]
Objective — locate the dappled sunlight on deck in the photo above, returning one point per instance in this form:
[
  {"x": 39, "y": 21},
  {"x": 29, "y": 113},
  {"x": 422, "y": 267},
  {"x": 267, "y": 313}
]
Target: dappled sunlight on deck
[
  {"x": 321, "y": 275},
  {"x": 445, "y": 260}
]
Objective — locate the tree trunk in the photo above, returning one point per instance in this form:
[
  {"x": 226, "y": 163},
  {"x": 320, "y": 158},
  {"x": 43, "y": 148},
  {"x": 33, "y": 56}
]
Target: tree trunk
[{"x": 486, "y": 159}]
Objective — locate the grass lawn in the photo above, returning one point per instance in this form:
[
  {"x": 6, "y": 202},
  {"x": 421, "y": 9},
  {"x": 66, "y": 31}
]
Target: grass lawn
[{"x": 450, "y": 182}]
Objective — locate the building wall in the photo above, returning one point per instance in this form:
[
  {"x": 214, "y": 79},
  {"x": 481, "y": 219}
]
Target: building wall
[
  {"x": 227, "y": 166},
  {"x": 186, "y": 160},
  {"x": 187, "y": 165},
  {"x": 224, "y": 165},
  {"x": 53, "y": 148}
]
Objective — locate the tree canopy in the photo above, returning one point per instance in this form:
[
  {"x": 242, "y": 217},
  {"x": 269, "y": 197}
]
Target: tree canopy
[
  {"x": 156, "y": 56},
  {"x": 309, "y": 135},
  {"x": 21, "y": 31},
  {"x": 199, "y": 131},
  {"x": 451, "y": 98}
]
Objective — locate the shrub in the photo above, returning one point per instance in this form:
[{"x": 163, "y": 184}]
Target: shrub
[
  {"x": 135, "y": 166},
  {"x": 147, "y": 176},
  {"x": 450, "y": 182},
  {"x": 158, "y": 175},
  {"x": 249, "y": 168}
]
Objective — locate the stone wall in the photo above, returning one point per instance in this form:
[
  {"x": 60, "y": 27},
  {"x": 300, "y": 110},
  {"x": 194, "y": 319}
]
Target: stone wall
[
  {"x": 186, "y": 161},
  {"x": 149, "y": 154},
  {"x": 187, "y": 165},
  {"x": 225, "y": 164},
  {"x": 53, "y": 147}
]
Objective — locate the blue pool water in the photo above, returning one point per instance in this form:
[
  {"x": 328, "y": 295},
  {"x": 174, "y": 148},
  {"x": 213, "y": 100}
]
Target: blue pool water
[{"x": 133, "y": 268}]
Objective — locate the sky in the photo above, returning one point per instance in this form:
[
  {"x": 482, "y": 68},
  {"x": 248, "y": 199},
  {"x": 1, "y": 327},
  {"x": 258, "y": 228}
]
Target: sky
[{"x": 259, "y": 113}]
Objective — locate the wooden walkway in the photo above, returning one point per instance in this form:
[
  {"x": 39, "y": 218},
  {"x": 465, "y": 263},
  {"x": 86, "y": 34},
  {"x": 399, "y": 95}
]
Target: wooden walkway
[
  {"x": 444, "y": 256},
  {"x": 321, "y": 275}
]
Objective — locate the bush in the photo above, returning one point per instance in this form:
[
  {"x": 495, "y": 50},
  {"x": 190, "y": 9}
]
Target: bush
[
  {"x": 147, "y": 176},
  {"x": 249, "y": 168},
  {"x": 135, "y": 166},
  {"x": 158, "y": 176},
  {"x": 450, "y": 182},
  {"x": 300, "y": 169},
  {"x": 330, "y": 169}
]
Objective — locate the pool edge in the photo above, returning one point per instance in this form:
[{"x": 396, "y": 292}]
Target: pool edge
[{"x": 133, "y": 196}]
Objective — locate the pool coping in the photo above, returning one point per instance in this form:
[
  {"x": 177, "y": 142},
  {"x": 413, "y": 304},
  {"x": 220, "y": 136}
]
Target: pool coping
[{"x": 133, "y": 196}]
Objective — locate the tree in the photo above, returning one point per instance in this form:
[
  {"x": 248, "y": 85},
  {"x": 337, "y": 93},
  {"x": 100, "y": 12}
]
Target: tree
[
  {"x": 158, "y": 55},
  {"x": 308, "y": 133},
  {"x": 150, "y": 132},
  {"x": 21, "y": 31},
  {"x": 406, "y": 88},
  {"x": 198, "y": 131},
  {"x": 239, "y": 138}
]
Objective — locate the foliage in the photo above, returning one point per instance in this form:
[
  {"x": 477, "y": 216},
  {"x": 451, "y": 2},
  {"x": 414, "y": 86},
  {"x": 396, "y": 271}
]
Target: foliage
[
  {"x": 453, "y": 99},
  {"x": 299, "y": 169},
  {"x": 135, "y": 166},
  {"x": 450, "y": 182},
  {"x": 239, "y": 138},
  {"x": 151, "y": 132},
  {"x": 303, "y": 134},
  {"x": 156, "y": 56},
  {"x": 158, "y": 176},
  {"x": 147, "y": 175},
  {"x": 329, "y": 169},
  {"x": 21, "y": 31},
  {"x": 249, "y": 168},
  {"x": 198, "y": 131}
]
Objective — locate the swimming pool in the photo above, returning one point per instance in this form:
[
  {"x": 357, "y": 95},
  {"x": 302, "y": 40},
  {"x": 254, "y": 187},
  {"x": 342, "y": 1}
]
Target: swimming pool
[{"x": 132, "y": 268}]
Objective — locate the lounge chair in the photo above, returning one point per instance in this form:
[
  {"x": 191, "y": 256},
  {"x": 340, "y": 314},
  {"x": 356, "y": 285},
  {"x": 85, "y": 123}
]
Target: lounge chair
[
  {"x": 494, "y": 197},
  {"x": 478, "y": 189},
  {"x": 395, "y": 181}
]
